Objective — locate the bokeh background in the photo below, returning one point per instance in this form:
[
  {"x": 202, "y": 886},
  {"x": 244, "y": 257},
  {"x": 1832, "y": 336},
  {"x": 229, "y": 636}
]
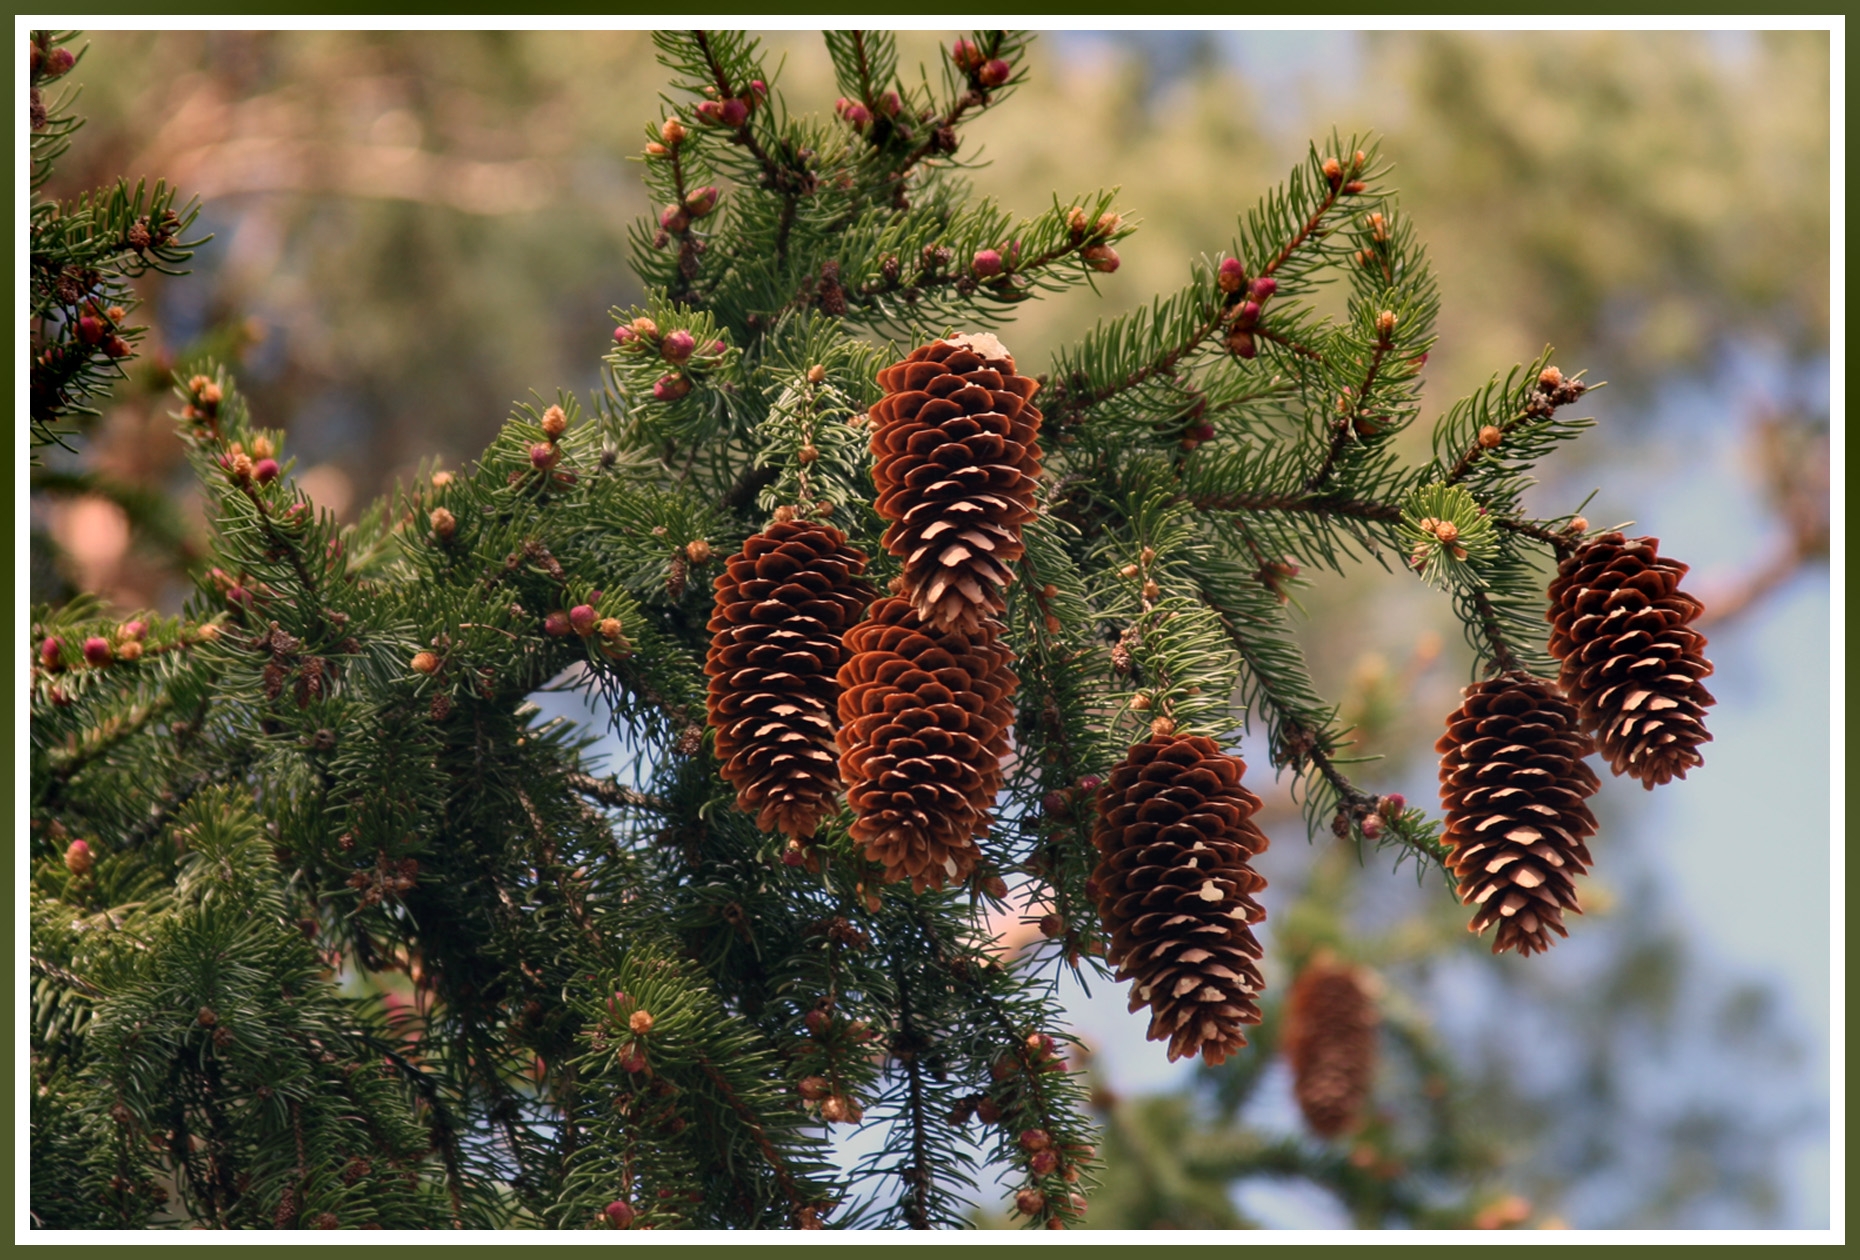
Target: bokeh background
[{"x": 414, "y": 229}]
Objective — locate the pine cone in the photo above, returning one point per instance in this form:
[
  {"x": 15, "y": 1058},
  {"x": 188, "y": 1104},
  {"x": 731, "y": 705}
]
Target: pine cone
[
  {"x": 1175, "y": 831},
  {"x": 1330, "y": 1041},
  {"x": 1513, "y": 782},
  {"x": 955, "y": 465},
  {"x": 924, "y": 722},
  {"x": 1630, "y": 662},
  {"x": 775, "y": 654}
]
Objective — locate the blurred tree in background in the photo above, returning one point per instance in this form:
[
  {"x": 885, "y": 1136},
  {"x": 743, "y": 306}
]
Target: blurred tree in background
[{"x": 414, "y": 229}]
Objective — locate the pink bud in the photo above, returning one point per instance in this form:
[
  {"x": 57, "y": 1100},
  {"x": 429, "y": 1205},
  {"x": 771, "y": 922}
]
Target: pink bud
[
  {"x": 239, "y": 597},
  {"x": 1201, "y": 432},
  {"x": 758, "y": 89},
  {"x": 709, "y": 111},
  {"x": 58, "y": 61},
  {"x": 1035, "y": 1140},
  {"x": 1392, "y": 805},
  {"x": 890, "y": 104},
  {"x": 581, "y": 620},
  {"x": 1232, "y": 275},
  {"x": 623, "y": 334},
  {"x": 1090, "y": 783},
  {"x": 717, "y": 347},
  {"x": 677, "y": 346},
  {"x": 89, "y": 329},
  {"x": 733, "y": 112},
  {"x": 996, "y": 73},
  {"x": 543, "y": 456},
  {"x": 1100, "y": 257},
  {"x": 1044, "y": 1163},
  {"x": 133, "y": 629},
  {"x": 1247, "y": 313},
  {"x": 619, "y": 1214},
  {"x": 266, "y": 470},
  {"x": 674, "y": 219},
  {"x": 1264, "y": 287},
  {"x": 670, "y": 388},
  {"x": 614, "y": 1003},
  {"x": 1371, "y": 827},
  {"x": 965, "y": 54},
  {"x": 49, "y": 652},
  {"x": 557, "y": 625},
  {"x": 78, "y": 858},
  {"x": 858, "y": 115},
  {"x": 987, "y": 263},
  {"x": 594, "y": 597},
  {"x": 793, "y": 856},
  {"x": 700, "y": 202},
  {"x": 97, "y": 650}
]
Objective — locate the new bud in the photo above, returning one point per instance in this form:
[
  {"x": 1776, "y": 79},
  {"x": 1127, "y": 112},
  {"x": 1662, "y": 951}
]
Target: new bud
[
  {"x": 581, "y": 619},
  {"x": 640, "y": 1022},
  {"x": 78, "y": 858},
  {"x": 619, "y": 1214},
  {"x": 49, "y": 652},
  {"x": 554, "y": 423},
  {"x": 1100, "y": 258},
  {"x": 814, "y": 1088},
  {"x": 556, "y": 625},
  {"x": 265, "y": 471},
  {"x": 677, "y": 347},
  {"x": 1035, "y": 1140},
  {"x": 891, "y": 104},
  {"x": 670, "y": 388},
  {"x": 987, "y": 263},
  {"x": 733, "y": 112},
  {"x": 700, "y": 202},
  {"x": 1231, "y": 275},
  {"x": 1392, "y": 805},
  {"x": 996, "y": 72},
  {"x": 543, "y": 456},
  {"x": 674, "y": 219},
  {"x": 97, "y": 650},
  {"x": 424, "y": 663},
  {"x": 966, "y": 55},
  {"x": 1030, "y": 1202},
  {"x": 444, "y": 524},
  {"x": 1044, "y": 1163},
  {"x": 672, "y": 132}
]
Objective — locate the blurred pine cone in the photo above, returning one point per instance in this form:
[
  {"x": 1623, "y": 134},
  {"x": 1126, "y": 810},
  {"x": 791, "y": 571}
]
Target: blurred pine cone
[
  {"x": 956, "y": 464},
  {"x": 924, "y": 722},
  {"x": 1175, "y": 832},
  {"x": 1513, "y": 782},
  {"x": 1330, "y": 1041},
  {"x": 780, "y": 609},
  {"x": 1630, "y": 661}
]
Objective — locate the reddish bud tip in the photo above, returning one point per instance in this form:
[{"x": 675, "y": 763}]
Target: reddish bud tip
[
  {"x": 1053, "y": 925},
  {"x": 1201, "y": 432},
  {"x": 543, "y": 456},
  {"x": 670, "y": 388},
  {"x": 1392, "y": 805},
  {"x": 758, "y": 89},
  {"x": 1371, "y": 827},
  {"x": 265, "y": 471},
  {"x": 1263, "y": 288},
  {"x": 1231, "y": 275},
  {"x": 1035, "y": 1140},
  {"x": 78, "y": 858},
  {"x": 49, "y": 652},
  {"x": 732, "y": 112},
  {"x": 816, "y": 1021},
  {"x": 792, "y": 855},
  {"x": 1044, "y": 1163},
  {"x": 619, "y": 1214},
  {"x": 814, "y": 1088},
  {"x": 1100, "y": 258},
  {"x": 97, "y": 650},
  {"x": 1030, "y": 1202},
  {"x": 623, "y": 334},
  {"x": 996, "y": 72},
  {"x": 717, "y": 347},
  {"x": 965, "y": 54},
  {"x": 891, "y": 104},
  {"x": 674, "y": 218},
  {"x": 702, "y": 201},
  {"x": 1246, "y": 313},
  {"x": 58, "y": 61},
  {"x": 557, "y": 625},
  {"x": 856, "y": 114},
  {"x": 581, "y": 619},
  {"x": 677, "y": 346},
  {"x": 987, "y": 263},
  {"x": 133, "y": 630},
  {"x": 90, "y": 329}
]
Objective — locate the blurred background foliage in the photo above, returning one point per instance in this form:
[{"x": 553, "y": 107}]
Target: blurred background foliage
[{"x": 414, "y": 229}]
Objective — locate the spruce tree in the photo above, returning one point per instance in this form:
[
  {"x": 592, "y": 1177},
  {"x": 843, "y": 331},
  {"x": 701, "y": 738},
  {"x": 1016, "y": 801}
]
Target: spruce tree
[{"x": 895, "y": 631}]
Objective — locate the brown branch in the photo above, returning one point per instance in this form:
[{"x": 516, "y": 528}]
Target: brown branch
[
  {"x": 1488, "y": 624},
  {"x": 1064, "y": 410},
  {"x": 610, "y": 793},
  {"x": 748, "y": 1117},
  {"x": 1346, "y": 423},
  {"x": 1563, "y": 542}
]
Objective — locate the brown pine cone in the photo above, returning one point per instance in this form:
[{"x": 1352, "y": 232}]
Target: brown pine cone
[
  {"x": 956, "y": 464},
  {"x": 1630, "y": 661},
  {"x": 780, "y": 609},
  {"x": 924, "y": 721},
  {"x": 1330, "y": 1041},
  {"x": 1175, "y": 832},
  {"x": 1513, "y": 782}
]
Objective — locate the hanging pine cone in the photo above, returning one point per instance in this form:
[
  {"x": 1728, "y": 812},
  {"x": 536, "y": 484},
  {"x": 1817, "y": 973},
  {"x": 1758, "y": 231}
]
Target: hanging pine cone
[
  {"x": 775, "y": 653},
  {"x": 1630, "y": 661},
  {"x": 924, "y": 722},
  {"x": 1330, "y": 1041},
  {"x": 1175, "y": 831},
  {"x": 1513, "y": 782},
  {"x": 956, "y": 464}
]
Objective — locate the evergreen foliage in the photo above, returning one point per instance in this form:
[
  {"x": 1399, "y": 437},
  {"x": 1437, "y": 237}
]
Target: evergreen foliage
[{"x": 355, "y": 940}]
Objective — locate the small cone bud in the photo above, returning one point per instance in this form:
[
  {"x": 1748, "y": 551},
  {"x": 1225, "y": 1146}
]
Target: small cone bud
[
  {"x": 1333, "y": 170},
  {"x": 640, "y": 1022},
  {"x": 543, "y": 456},
  {"x": 49, "y": 652},
  {"x": 97, "y": 650},
  {"x": 1100, "y": 258},
  {"x": 733, "y": 112},
  {"x": 78, "y": 858},
  {"x": 265, "y": 471},
  {"x": 556, "y": 625},
  {"x": 131, "y": 651},
  {"x": 1044, "y": 1164},
  {"x": 987, "y": 263},
  {"x": 814, "y": 1088},
  {"x": 996, "y": 72},
  {"x": 1385, "y": 324},
  {"x": 700, "y": 202},
  {"x": 672, "y": 132},
  {"x": 581, "y": 619},
  {"x": 833, "y": 1109},
  {"x": 554, "y": 423},
  {"x": 697, "y": 551},
  {"x": 619, "y": 1214},
  {"x": 674, "y": 218},
  {"x": 816, "y": 374},
  {"x": 1231, "y": 276},
  {"x": 1490, "y": 436},
  {"x": 966, "y": 55},
  {"x": 424, "y": 663},
  {"x": 1030, "y": 1202},
  {"x": 444, "y": 524},
  {"x": 1035, "y": 1140},
  {"x": 671, "y": 388},
  {"x": 1053, "y": 925},
  {"x": 677, "y": 346}
]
